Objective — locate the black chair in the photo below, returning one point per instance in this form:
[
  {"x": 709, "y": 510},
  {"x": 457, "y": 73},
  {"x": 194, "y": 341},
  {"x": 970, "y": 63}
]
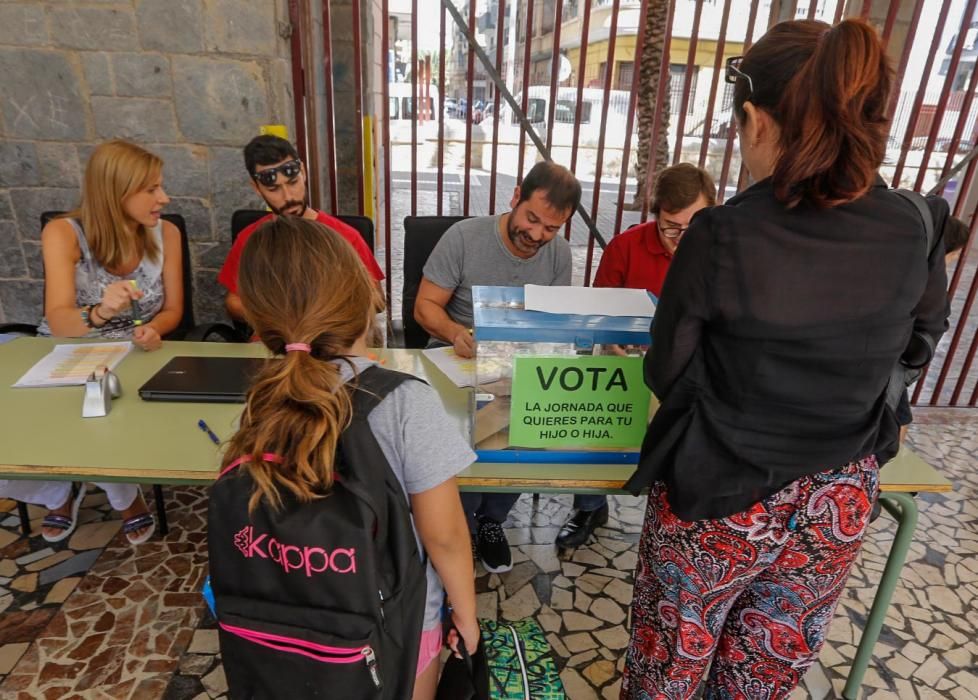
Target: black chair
[
  {"x": 242, "y": 218},
  {"x": 421, "y": 235}
]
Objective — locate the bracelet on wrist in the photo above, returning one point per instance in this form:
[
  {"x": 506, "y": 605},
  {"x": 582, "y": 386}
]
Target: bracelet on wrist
[{"x": 93, "y": 314}]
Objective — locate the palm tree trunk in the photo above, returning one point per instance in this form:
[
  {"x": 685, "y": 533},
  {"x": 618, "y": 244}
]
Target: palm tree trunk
[{"x": 653, "y": 48}]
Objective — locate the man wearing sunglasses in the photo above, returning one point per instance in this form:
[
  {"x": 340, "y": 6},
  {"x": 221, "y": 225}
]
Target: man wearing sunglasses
[
  {"x": 279, "y": 178},
  {"x": 639, "y": 258}
]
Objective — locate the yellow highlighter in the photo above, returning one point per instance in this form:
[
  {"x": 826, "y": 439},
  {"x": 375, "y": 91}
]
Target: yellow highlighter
[{"x": 137, "y": 316}]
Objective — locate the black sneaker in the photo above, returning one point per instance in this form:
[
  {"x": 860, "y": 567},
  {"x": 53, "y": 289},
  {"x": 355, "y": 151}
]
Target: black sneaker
[
  {"x": 493, "y": 547},
  {"x": 578, "y": 529}
]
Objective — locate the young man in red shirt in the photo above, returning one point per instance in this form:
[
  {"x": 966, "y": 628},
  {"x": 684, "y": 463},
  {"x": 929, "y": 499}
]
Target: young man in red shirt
[
  {"x": 279, "y": 178},
  {"x": 639, "y": 259}
]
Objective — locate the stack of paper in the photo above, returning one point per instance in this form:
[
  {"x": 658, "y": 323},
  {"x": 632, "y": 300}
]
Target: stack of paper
[{"x": 70, "y": 365}]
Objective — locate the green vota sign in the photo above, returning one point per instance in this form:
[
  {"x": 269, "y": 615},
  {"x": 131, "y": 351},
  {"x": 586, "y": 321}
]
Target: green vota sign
[{"x": 578, "y": 402}]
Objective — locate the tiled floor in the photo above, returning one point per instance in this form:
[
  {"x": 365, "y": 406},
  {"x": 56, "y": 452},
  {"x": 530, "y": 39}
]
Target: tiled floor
[{"x": 131, "y": 623}]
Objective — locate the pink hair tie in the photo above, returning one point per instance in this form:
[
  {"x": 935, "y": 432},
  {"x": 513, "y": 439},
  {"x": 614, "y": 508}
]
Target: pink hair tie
[{"x": 300, "y": 347}]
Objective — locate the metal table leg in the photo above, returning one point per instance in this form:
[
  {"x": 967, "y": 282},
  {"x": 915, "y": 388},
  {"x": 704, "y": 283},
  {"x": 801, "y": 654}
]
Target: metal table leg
[{"x": 904, "y": 510}]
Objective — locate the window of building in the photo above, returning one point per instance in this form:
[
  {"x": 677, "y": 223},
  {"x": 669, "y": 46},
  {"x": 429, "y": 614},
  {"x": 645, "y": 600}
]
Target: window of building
[
  {"x": 626, "y": 71},
  {"x": 547, "y": 17},
  {"x": 677, "y": 83}
]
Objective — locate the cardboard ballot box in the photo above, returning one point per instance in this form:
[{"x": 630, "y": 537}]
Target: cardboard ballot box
[{"x": 556, "y": 387}]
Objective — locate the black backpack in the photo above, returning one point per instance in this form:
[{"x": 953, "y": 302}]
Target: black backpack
[{"x": 322, "y": 599}]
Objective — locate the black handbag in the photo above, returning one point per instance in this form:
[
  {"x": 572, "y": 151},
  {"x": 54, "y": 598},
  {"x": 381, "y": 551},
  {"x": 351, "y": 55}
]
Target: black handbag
[{"x": 466, "y": 678}]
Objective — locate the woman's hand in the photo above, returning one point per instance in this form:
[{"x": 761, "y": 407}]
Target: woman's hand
[
  {"x": 469, "y": 632},
  {"x": 147, "y": 338},
  {"x": 116, "y": 298}
]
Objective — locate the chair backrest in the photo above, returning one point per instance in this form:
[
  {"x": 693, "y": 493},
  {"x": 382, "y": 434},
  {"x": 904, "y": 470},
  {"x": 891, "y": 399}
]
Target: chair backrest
[
  {"x": 187, "y": 319},
  {"x": 421, "y": 235},
  {"x": 243, "y": 218}
]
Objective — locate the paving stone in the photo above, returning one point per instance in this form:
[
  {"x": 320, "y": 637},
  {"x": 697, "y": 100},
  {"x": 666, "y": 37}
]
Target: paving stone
[
  {"x": 76, "y": 565},
  {"x": 600, "y": 672},
  {"x": 561, "y": 599},
  {"x": 579, "y": 660},
  {"x": 61, "y": 590},
  {"x": 486, "y": 605},
  {"x": 557, "y": 645},
  {"x": 575, "y": 621},
  {"x": 10, "y": 654},
  {"x": 915, "y": 652},
  {"x": 34, "y": 556},
  {"x": 543, "y": 555},
  {"x": 50, "y": 561},
  {"x": 607, "y": 611},
  {"x": 587, "y": 556},
  {"x": 94, "y": 535},
  {"x": 578, "y": 642},
  {"x": 931, "y": 671},
  {"x": 522, "y": 604},
  {"x": 576, "y": 686},
  {"x": 613, "y": 691},
  {"x": 582, "y": 601},
  {"x": 614, "y": 638},
  {"x": 26, "y": 583},
  {"x": 204, "y": 642},
  {"x": 215, "y": 682},
  {"x": 549, "y": 620},
  {"x": 8, "y": 536},
  {"x": 591, "y": 583},
  {"x": 519, "y": 576}
]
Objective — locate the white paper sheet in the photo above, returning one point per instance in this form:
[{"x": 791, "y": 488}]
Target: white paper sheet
[
  {"x": 70, "y": 365},
  {"x": 458, "y": 369},
  {"x": 588, "y": 301}
]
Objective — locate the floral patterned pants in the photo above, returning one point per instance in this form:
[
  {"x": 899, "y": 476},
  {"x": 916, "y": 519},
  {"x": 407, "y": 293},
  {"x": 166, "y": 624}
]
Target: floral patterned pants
[{"x": 753, "y": 593}]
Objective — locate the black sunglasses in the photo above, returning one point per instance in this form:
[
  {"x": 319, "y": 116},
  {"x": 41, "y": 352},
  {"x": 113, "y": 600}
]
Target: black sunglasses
[
  {"x": 290, "y": 169},
  {"x": 734, "y": 72}
]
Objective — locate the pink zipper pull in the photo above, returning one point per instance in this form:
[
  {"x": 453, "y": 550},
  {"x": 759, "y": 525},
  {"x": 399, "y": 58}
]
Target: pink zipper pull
[{"x": 371, "y": 659}]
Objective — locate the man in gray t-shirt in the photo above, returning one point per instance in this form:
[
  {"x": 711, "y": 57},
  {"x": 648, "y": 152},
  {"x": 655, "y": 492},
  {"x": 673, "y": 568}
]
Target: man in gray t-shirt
[{"x": 519, "y": 247}]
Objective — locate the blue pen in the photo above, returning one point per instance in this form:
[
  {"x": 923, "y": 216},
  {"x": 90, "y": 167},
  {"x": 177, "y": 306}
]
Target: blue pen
[{"x": 210, "y": 433}]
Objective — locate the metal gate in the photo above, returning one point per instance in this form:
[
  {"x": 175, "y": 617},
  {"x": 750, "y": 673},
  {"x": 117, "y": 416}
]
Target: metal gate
[{"x": 449, "y": 142}]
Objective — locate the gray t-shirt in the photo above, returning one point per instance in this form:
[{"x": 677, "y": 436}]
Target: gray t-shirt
[
  {"x": 472, "y": 253},
  {"x": 407, "y": 424}
]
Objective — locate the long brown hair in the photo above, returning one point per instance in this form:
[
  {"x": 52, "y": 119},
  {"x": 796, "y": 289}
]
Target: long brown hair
[
  {"x": 827, "y": 88},
  {"x": 116, "y": 169},
  {"x": 299, "y": 283}
]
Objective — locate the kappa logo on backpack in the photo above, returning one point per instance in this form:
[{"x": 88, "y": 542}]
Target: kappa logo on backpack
[
  {"x": 321, "y": 599},
  {"x": 311, "y": 560}
]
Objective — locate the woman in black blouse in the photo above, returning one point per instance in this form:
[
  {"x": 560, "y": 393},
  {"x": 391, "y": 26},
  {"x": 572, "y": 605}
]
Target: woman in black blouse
[{"x": 781, "y": 320}]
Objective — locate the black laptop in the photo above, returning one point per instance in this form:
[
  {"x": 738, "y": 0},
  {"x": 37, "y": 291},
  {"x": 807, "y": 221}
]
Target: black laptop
[{"x": 202, "y": 379}]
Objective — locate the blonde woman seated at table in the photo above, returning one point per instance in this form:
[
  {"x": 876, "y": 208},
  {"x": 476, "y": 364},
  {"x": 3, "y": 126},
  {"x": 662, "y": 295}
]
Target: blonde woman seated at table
[{"x": 92, "y": 256}]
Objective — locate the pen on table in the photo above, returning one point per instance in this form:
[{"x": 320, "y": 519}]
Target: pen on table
[
  {"x": 210, "y": 433},
  {"x": 137, "y": 315}
]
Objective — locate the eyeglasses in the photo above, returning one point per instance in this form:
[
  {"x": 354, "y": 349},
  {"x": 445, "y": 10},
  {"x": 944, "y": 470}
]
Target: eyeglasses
[
  {"x": 734, "y": 72},
  {"x": 290, "y": 169},
  {"x": 673, "y": 231}
]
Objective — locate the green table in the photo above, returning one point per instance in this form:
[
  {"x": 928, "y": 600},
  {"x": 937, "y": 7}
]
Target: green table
[{"x": 43, "y": 436}]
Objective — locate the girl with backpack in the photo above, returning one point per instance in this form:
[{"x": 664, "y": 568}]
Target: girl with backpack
[{"x": 335, "y": 528}]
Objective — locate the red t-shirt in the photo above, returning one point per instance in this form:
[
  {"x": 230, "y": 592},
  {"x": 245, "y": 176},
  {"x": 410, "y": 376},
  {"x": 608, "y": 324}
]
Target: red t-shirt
[
  {"x": 228, "y": 276},
  {"x": 635, "y": 259}
]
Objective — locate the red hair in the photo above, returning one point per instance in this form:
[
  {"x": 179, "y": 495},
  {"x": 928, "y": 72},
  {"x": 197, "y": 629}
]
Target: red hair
[{"x": 828, "y": 90}]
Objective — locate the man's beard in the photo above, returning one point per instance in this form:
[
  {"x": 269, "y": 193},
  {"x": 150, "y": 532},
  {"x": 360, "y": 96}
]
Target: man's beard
[
  {"x": 521, "y": 240},
  {"x": 284, "y": 209}
]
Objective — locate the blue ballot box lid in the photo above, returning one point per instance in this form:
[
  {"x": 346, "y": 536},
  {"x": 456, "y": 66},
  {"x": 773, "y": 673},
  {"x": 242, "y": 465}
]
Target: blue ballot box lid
[{"x": 500, "y": 316}]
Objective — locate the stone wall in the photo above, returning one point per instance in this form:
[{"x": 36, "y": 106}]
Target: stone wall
[{"x": 192, "y": 80}]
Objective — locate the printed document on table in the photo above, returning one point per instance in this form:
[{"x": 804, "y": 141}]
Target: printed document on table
[
  {"x": 588, "y": 301},
  {"x": 70, "y": 365}
]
